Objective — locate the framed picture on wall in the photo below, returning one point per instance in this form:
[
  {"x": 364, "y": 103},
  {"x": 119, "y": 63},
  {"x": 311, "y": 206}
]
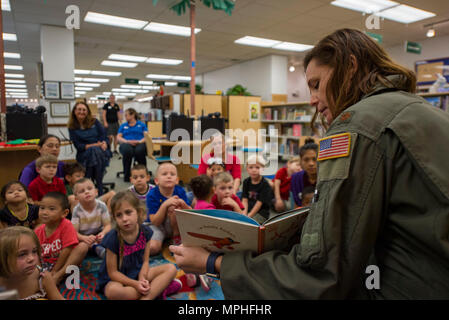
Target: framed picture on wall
[
  {"x": 51, "y": 90},
  {"x": 254, "y": 111},
  {"x": 60, "y": 109},
  {"x": 67, "y": 90}
]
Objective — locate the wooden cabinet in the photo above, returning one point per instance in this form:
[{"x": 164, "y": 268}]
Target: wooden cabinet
[{"x": 207, "y": 103}]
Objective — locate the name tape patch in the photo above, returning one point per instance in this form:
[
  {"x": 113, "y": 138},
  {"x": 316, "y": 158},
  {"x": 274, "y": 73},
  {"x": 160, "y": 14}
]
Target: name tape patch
[{"x": 336, "y": 146}]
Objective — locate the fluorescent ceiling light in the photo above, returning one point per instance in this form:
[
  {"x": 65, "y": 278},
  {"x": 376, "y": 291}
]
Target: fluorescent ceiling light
[
  {"x": 164, "y": 61},
  {"x": 14, "y": 81},
  {"x": 139, "y": 91},
  {"x": 150, "y": 87},
  {"x": 102, "y": 80},
  {"x": 130, "y": 86},
  {"x": 120, "y": 97},
  {"x": 170, "y": 29},
  {"x": 107, "y": 93},
  {"x": 9, "y": 37},
  {"x": 145, "y": 99},
  {"x": 405, "y": 14},
  {"x": 367, "y": 6},
  {"x": 80, "y": 71},
  {"x": 87, "y": 84},
  {"x": 12, "y": 85},
  {"x": 80, "y": 92},
  {"x": 115, "y": 21},
  {"x": 5, "y": 5},
  {"x": 128, "y": 94},
  {"x": 258, "y": 42},
  {"x": 145, "y": 82},
  {"x": 83, "y": 89},
  {"x": 127, "y": 57},
  {"x": 171, "y": 84},
  {"x": 158, "y": 76},
  {"x": 180, "y": 78},
  {"x": 11, "y": 55},
  {"x": 106, "y": 73},
  {"x": 120, "y": 90},
  {"x": 78, "y": 79},
  {"x": 19, "y": 96},
  {"x": 119, "y": 64},
  {"x": 292, "y": 46},
  {"x": 14, "y": 75},
  {"x": 13, "y": 67},
  {"x": 16, "y": 90}
]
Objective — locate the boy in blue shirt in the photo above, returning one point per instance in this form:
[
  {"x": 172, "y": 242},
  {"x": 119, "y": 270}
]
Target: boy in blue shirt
[{"x": 161, "y": 203}]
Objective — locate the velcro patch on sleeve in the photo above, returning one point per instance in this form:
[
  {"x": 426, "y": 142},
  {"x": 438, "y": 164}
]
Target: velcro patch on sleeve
[{"x": 336, "y": 146}]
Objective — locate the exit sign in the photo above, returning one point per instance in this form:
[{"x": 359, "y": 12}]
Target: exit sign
[
  {"x": 376, "y": 37},
  {"x": 183, "y": 84},
  {"x": 413, "y": 47},
  {"x": 131, "y": 81}
]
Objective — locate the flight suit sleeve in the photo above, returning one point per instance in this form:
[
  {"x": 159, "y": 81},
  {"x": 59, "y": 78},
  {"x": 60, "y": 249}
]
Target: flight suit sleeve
[{"x": 336, "y": 240}]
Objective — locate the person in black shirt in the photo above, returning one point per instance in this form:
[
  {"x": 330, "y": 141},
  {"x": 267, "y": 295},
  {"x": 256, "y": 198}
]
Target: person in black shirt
[
  {"x": 111, "y": 120},
  {"x": 257, "y": 195}
]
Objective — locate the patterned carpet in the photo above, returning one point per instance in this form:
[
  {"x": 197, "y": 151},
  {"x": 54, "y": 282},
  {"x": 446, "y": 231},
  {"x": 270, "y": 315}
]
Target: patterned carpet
[{"x": 89, "y": 274}]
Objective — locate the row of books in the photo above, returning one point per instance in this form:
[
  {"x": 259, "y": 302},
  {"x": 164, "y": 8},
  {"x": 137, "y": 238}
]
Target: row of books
[
  {"x": 286, "y": 113},
  {"x": 153, "y": 115},
  {"x": 294, "y": 130},
  {"x": 289, "y": 147},
  {"x": 441, "y": 102}
]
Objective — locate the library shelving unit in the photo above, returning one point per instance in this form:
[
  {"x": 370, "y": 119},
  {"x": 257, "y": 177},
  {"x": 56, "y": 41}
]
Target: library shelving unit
[
  {"x": 292, "y": 122},
  {"x": 437, "y": 99}
]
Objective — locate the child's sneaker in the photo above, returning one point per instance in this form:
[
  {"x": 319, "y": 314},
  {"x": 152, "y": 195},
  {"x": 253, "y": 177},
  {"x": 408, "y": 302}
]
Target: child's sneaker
[
  {"x": 172, "y": 288},
  {"x": 206, "y": 282},
  {"x": 99, "y": 250},
  {"x": 192, "y": 280}
]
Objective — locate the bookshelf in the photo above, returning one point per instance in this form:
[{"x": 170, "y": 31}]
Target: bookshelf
[
  {"x": 292, "y": 122},
  {"x": 437, "y": 99}
]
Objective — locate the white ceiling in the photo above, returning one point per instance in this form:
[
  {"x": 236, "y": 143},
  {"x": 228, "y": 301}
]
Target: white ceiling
[{"x": 301, "y": 21}]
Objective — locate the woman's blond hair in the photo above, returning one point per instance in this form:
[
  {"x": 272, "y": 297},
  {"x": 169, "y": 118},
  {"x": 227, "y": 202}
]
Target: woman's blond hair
[
  {"x": 346, "y": 88},
  {"x": 9, "y": 245},
  {"x": 136, "y": 203}
]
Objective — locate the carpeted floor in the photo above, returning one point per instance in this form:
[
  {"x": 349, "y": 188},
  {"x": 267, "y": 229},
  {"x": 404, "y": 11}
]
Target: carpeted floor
[{"x": 89, "y": 274}]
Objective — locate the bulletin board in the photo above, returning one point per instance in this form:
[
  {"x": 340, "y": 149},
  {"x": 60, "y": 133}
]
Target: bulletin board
[{"x": 426, "y": 70}]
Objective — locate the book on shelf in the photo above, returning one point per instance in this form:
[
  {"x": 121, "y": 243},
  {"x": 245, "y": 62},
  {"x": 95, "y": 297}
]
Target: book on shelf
[
  {"x": 297, "y": 129},
  {"x": 228, "y": 231},
  {"x": 275, "y": 115},
  {"x": 283, "y": 114},
  {"x": 299, "y": 114},
  {"x": 267, "y": 114}
]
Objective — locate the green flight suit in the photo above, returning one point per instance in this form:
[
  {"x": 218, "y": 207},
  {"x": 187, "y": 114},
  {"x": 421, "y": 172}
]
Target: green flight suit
[{"x": 386, "y": 203}]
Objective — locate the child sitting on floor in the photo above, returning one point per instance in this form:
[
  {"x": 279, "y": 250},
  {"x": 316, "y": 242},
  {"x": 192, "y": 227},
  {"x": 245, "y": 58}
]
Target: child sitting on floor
[
  {"x": 57, "y": 236},
  {"x": 126, "y": 274},
  {"x": 215, "y": 166},
  {"x": 140, "y": 179},
  {"x": 46, "y": 181},
  {"x": 224, "y": 197},
  {"x": 282, "y": 182},
  {"x": 203, "y": 190},
  {"x": 75, "y": 171},
  {"x": 17, "y": 210},
  {"x": 307, "y": 195},
  {"x": 161, "y": 203},
  {"x": 257, "y": 194},
  {"x": 20, "y": 256},
  {"x": 90, "y": 217}
]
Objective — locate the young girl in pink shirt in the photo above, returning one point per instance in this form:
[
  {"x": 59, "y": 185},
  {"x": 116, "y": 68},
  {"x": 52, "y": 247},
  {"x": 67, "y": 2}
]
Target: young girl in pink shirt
[{"x": 203, "y": 190}]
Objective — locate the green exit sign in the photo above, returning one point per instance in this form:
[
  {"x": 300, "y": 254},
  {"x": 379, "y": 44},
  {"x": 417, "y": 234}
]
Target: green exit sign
[
  {"x": 413, "y": 47},
  {"x": 131, "y": 81},
  {"x": 183, "y": 84},
  {"x": 376, "y": 37},
  {"x": 159, "y": 83}
]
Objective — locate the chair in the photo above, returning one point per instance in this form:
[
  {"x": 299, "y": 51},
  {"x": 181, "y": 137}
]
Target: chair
[{"x": 150, "y": 149}]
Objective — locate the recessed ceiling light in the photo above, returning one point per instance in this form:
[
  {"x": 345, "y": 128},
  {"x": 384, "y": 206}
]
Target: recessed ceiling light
[
  {"x": 292, "y": 46},
  {"x": 405, "y": 14},
  {"x": 81, "y": 71},
  {"x": 158, "y": 76},
  {"x": 5, "y": 5},
  {"x": 163, "y": 61},
  {"x": 13, "y": 67},
  {"x": 430, "y": 33},
  {"x": 87, "y": 84},
  {"x": 367, "y": 6},
  {"x": 106, "y": 73},
  {"x": 258, "y": 42},
  {"x": 95, "y": 80},
  {"x": 14, "y": 81},
  {"x": 127, "y": 57},
  {"x": 115, "y": 21},
  {"x": 119, "y": 64},
  {"x": 14, "y": 75},
  {"x": 291, "y": 69},
  {"x": 11, "y": 55},
  {"x": 170, "y": 29}
]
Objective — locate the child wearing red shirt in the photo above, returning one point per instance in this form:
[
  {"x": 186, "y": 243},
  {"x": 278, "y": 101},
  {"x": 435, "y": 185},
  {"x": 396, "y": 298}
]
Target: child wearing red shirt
[
  {"x": 47, "y": 181},
  {"x": 282, "y": 181},
  {"x": 224, "y": 198}
]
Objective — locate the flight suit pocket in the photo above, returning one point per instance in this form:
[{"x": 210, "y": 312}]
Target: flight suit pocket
[{"x": 312, "y": 252}]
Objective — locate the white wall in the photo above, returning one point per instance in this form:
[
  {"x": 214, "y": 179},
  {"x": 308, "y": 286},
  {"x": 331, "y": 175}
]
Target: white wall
[
  {"x": 262, "y": 77},
  {"x": 297, "y": 85}
]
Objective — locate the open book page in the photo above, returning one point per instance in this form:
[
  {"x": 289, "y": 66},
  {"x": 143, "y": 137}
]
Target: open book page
[
  {"x": 280, "y": 229},
  {"x": 217, "y": 230}
]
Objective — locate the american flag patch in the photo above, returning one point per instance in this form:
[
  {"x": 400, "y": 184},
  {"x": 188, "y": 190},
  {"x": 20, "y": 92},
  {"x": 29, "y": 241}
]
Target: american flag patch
[{"x": 334, "y": 146}]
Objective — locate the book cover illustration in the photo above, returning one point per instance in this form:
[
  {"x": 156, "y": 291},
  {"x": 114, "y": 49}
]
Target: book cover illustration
[{"x": 227, "y": 231}]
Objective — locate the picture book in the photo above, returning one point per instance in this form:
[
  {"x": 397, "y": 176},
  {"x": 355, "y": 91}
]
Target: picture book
[
  {"x": 297, "y": 129},
  {"x": 227, "y": 231}
]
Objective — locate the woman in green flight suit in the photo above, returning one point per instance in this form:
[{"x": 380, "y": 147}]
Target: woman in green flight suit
[{"x": 382, "y": 195}]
